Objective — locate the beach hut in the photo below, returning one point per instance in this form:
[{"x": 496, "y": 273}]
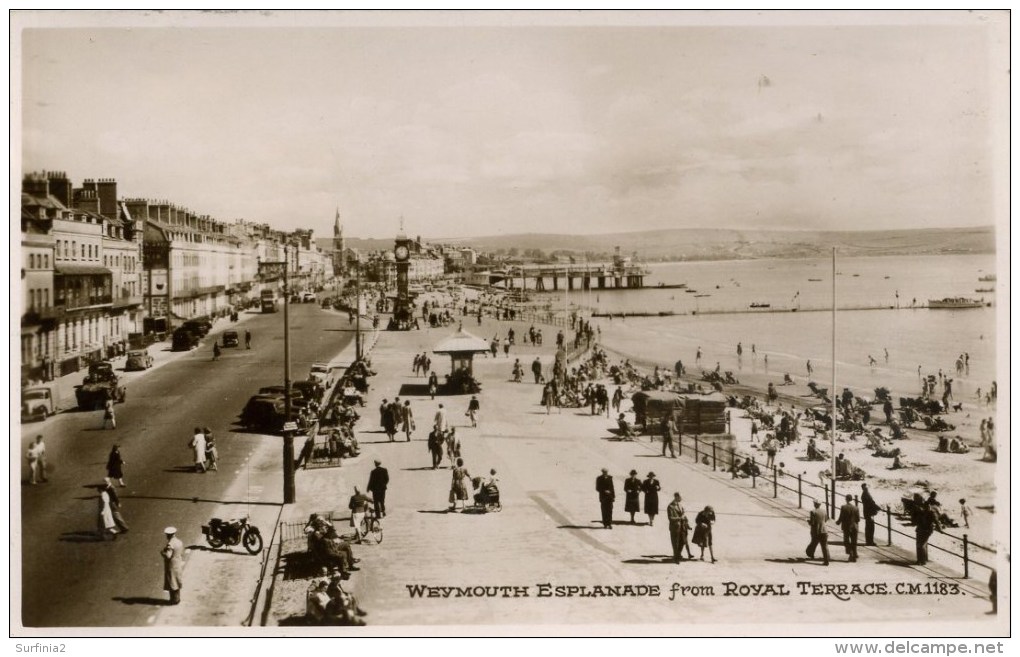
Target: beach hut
[
  {"x": 650, "y": 406},
  {"x": 462, "y": 347}
]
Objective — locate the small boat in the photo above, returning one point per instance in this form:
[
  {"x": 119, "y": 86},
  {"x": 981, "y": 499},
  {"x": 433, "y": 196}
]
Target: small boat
[
  {"x": 985, "y": 289},
  {"x": 701, "y": 295},
  {"x": 988, "y": 278},
  {"x": 690, "y": 291},
  {"x": 856, "y": 275},
  {"x": 761, "y": 305},
  {"x": 886, "y": 277},
  {"x": 815, "y": 280},
  {"x": 953, "y": 303}
]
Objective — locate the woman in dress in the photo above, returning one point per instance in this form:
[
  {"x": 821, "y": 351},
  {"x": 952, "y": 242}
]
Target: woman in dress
[
  {"x": 632, "y": 488},
  {"x": 107, "y": 525},
  {"x": 115, "y": 465},
  {"x": 703, "y": 531},
  {"x": 651, "y": 488},
  {"x": 458, "y": 486}
]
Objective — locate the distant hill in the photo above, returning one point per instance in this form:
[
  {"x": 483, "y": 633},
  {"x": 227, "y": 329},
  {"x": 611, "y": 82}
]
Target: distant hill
[{"x": 729, "y": 244}]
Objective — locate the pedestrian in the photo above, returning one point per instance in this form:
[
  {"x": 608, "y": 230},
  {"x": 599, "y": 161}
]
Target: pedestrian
[
  {"x": 703, "y": 532},
  {"x": 109, "y": 416},
  {"x": 215, "y": 350},
  {"x": 536, "y": 369},
  {"x": 819, "y": 533},
  {"x": 358, "y": 505},
  {"x": 115, "y": 465},
  {"x": 247, "y": 339},
  {"x": 37, "y": 461},
  {"x": 382, "y": 413},
  {"x": 848, "y": 520},
  {"x": 391, "y": 417},
  {"x": 651, "y": 487},
  {"x": 378, "y": 482},
  {"x": 212, "y": 454},
  {"x": 607, "y": 495},
  {"x": 173, "y": 565},
  {"x": 118, "y": 519},
  {"x": 870, "y": 509},
  {"x": 965, "y": 512},
  {"x": 771, "y": 448},
  {"x": 926, "y": 522},
  {"x": 435, "y": 444},
  {"x": 668, "y": 431},
  {"x": 458, "y": 485},
  {"x": 632, "y": 495},
  {"x": 107, "y": 526},
  {"x": 506, "y": 347},
  {"x": 197, "y": 445},
  {"x": 433, "y": 385},
  {"x": 407, "y": 416},
  {"x": 452, "y": 445},
  {"x": 548, "y": 397},
  {"x": 679, "y": 526},
  {"x": 440, "y": 423},
  {"x": 472, "y": 411}
]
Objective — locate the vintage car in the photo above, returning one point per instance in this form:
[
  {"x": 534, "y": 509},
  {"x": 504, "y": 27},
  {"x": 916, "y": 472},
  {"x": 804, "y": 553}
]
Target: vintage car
[
  {"x": 199, "y": 326},
  {"x": 320, "y": 373},
  {"x": 310, "y": 389},
  {"x": 297, "y": 397},
  {"x": 184, "y": 339},
  {"x": 37, "y": 403},
  {"x": 308, "y": 297},
  {"x": 138, "y": 360},
  {"x": 229, "y": 338},
  {"x": 101, "y": 371},
  {"x": 264, "y": 412}
]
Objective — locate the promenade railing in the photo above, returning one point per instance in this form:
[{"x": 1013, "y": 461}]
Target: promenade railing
[{"x": 708, "y": 452}]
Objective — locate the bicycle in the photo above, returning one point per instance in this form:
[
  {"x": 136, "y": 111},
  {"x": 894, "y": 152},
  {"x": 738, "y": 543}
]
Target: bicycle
[{"x": 371, "y": 526}]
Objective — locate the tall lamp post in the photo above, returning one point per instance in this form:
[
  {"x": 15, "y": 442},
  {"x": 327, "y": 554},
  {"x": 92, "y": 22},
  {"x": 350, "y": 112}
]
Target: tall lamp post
[
  {"x": 357, "y": 308},
  {"x": 289, "y": 488}
]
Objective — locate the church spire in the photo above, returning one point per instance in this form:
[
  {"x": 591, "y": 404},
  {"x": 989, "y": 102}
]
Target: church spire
[{"x": 337, "y": 231}]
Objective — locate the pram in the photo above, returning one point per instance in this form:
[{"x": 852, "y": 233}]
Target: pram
[{"x": 487, "y": 497}]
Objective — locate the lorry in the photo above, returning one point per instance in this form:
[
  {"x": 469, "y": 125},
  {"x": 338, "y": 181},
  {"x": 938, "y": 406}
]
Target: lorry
[
  {"x": 37, "y": 403},
  {"x": 268, "y": 301}
]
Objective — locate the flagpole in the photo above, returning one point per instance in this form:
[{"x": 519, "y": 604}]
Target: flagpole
[{"x": 832, "y": 434}]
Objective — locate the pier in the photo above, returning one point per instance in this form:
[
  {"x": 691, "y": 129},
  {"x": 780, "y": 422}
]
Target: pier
[{"x": 620, "y": 274}]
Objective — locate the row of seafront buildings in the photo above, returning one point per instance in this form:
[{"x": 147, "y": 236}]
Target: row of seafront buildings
[{"x": 100, "y": 272}]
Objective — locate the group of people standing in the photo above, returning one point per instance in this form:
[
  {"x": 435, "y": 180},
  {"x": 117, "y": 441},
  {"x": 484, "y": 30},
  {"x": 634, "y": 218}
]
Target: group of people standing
[{"x": 679, "y": 524}]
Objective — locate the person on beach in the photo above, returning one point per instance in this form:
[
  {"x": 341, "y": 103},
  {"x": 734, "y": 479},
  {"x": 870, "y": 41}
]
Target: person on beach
[
  {"x": 819, "y": 533},
  {"x": 607, "y": 495},
  {"x": 703, "y": 531},
  {"x": 697, "y": 357},
  {"x": 765, "y": 360},
  {"x": 771, "y": 447},
  {"x": 965, "y": 513},
  {"x": 617, "y": 399},
  {"x": 810, "y": 370},
  {"x": 651, "y": 487}
]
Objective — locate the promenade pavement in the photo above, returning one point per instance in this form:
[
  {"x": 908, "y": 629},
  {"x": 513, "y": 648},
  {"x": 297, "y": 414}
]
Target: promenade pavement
[{"x": 549, "y": 531}]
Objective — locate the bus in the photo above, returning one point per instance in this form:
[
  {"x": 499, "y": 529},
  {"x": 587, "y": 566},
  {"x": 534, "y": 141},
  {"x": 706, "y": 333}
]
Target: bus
[{"x": 268, "y": 301}]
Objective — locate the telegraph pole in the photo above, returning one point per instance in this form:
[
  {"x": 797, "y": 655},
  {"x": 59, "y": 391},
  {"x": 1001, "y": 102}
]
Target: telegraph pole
[{"x": 289, "y": 489}]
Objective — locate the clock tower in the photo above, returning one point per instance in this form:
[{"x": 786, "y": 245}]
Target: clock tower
[{"x": 402, "y": 255}]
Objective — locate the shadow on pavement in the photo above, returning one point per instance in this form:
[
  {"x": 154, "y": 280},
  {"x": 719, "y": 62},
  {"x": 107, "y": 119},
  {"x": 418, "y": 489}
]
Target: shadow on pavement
[
  {"x": 142, "y": 600},
  {"x": 652, "y": 559},
  {"x": 414, "y": 390},
  {"x": 817, "y": 561},
  {"x": 592, "y": 526},
  {"x": 198, "y": 499},
  {"x": 81, "y": 537},
  {"x": 443, "y": 512},
  {"x": 425, "y": 467}
]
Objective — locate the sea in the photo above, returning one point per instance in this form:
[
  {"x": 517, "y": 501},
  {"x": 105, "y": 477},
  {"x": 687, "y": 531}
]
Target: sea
[{"x": 899, "y": 286}]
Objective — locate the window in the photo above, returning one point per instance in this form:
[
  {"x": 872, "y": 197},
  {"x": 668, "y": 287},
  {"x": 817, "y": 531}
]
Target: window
[
  {"x": 46, "y": 299},
  {"x": 31, "y": 261},
  {"x": 46, "y": 261}
]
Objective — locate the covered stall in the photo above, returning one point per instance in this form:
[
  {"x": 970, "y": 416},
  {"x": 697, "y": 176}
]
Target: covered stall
[{"x": 462, "y": 347}]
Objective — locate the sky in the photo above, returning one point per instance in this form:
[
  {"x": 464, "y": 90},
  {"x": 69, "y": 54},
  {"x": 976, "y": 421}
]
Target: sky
[{"x": 516, "y": 126}]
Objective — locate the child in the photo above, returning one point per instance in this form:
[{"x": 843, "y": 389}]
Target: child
[{"x": 965, "y": 512}]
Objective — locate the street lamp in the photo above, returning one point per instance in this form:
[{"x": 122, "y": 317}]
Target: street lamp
[{"x": 289, "y": 488}]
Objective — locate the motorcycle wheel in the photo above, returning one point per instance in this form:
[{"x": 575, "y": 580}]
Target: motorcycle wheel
[
  {"x": 215, "y": 542},
  {"x": 253, "y": 540}
]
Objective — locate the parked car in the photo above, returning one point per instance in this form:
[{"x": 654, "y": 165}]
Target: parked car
[
  {"x": 184, "y": 339},
  {"x": 310, "y": 389},
  {"x": 229, "y": 338},
  {"x": 138, "y": 360},
  {"x": 37, "y": 403},
  {"x": 297, "y": 397},
  {"x": 308, "y": 297},
  {"x": 265, "y": 412},
  {"x": 101, "y": 371},
  {"x": 199, "y": 326},
  {"x": 320, "y": 372}
]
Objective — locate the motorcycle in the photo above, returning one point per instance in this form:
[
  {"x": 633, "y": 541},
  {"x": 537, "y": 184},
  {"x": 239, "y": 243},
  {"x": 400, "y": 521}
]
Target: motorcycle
[{"x": 231, "y": 532}]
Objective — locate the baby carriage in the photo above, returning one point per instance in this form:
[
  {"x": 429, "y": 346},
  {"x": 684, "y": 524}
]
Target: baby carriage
[{"x": 487, "y": 497}]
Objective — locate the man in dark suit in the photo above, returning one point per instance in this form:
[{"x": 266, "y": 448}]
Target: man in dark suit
[
  {"x": 848, "y": 520},
  {"x": 607, "y": 495},
  {"x": 378, "y": 480},
  {"x": 819, "y": 533},
  {"x": 871, "y": 509}
]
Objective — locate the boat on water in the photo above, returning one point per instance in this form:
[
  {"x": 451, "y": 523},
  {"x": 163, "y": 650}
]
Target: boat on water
[
  {"x": 987, "y": 278},
  {"x": 690, "y": 291},
  {"x": 953, "y": 303},
  {"x": 701, "y": 295},
  {"x": 985, "y": 289},
  {"x": 815, "y": 280},
  {"x": 761, "y": 305}
]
